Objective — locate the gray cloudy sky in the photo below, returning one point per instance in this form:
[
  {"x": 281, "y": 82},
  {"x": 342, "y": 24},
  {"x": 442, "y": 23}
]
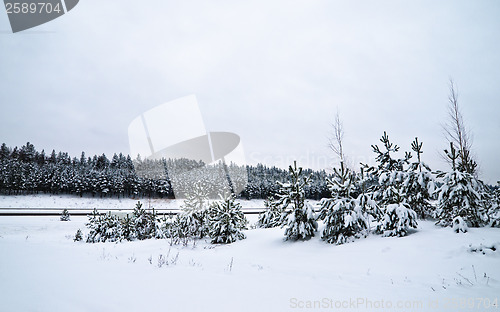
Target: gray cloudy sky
[{"x": 274, "y": 72}]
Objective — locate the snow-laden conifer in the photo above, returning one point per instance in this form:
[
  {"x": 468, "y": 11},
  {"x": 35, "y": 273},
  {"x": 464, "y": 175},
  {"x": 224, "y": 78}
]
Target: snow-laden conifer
[
  {"x": 397, "y": 220},
  {"x": 298, "y": 216},
  {"x": 418, "y": 184},
  {"x": 103, "y": 228},
  {"x": 271, "y": 216},
  {"x": 494, "y": 210},
  {"x": 460, "y": 195},
  {"x": 226, "y": 221},
  {"x": 344, "y": 216},
  {"x": 392, "y": 192},
  {"x": 194, "y": 210},
  {"x": 65, "y": 215},
  {"x": 144, "y": 222}
]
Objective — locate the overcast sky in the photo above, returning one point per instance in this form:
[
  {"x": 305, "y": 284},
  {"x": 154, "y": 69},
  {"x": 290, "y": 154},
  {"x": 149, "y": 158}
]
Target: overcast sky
[{"x": 274, "y": 72}]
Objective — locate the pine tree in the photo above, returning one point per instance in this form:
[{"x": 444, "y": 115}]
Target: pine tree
[
  {"x": 144, "y": 222},
  {"x": 83, "y": 161},
  {"x": 112, "y": 228},
  {"x": 386, "y": 162},
  {"x": 397, "y": 220},
  {"x": 298, "y": 217},
  {"x": 494, "y": 209},
  {"x": 178, "y": 231},
  {"x": 194, "y": 210},
  {"x": 392, "y": 190},
  {"x": 226, "y": 221},
  {"x": 460, "y": 195},
  {"x": 128, "y": 231},
  {"x": 390, "y": 172},
  {"x": 103, "y": 184},
  {"x": 418, "y": 184},
  {"x": 27, "y": 152},
  {"x": 271, "y": 217},
  {"x": 41, "y": 158},
  {"x": 4, "y": 152},
  {"x": 160, "y": 227},
  {"x": 363, "y": 184},
  {"x": 65, "y": 215},
  {"x": 344, "y": 220},
  {"x": 103, "y": 228},
  {"x": 344, "y": 217},
  {"x": 78, "y": 236}
]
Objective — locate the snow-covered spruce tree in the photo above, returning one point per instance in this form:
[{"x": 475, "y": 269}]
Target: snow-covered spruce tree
[
  {"x": 344, "y": 218},
  {"x": 178, "y": 232},
  {"x": 94, "y": 225},
  {"x": 390, "y": 172},
  {"x": 65, "y": 215},
  {"x": 161, "y": 225},
  {"x": 144, "y": 222},
  {"x": 172, "y": 228},
  {"x": 128, "y": 231},
  {"x": 226, "y": 221},
  {"x": 298, "y": 216},
  {"x": 194, "y": 210},
  {"x": 103, "y": 228},
  {"x": 494, "y": 210},
  {"x": 397, "y": 216},
  {"x": 164, "y": 226},
  {"x": 418, "y": 184},
  {"x": 141, "y": 225},
  {"x": 397, "y": 220},
  {"x": 78, "y": 236},
  {"x": 363, "y": 186},
  {"x": 460, "y": 195},
  {"x": 271, "y": 217}
]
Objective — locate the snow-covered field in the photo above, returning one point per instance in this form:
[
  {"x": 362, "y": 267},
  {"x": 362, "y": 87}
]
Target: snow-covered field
[
  {"x": 74, "y": 202},
  {"x": 432, "y": 269}
]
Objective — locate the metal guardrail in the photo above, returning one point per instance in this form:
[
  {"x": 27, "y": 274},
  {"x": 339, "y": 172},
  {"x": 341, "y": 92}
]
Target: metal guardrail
[{"x": 52, "y": 212}]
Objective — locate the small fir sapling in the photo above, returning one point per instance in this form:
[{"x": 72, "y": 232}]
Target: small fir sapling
[
  {"x": 78, "y": 236},
  {"x": 397, "y": 220},
  {"x": 271, "y": 217},
  {"x": 194, "y": 211},
  {"x": 460, "y": 195},
  {"x": 103, "y": 228},
  {"x": 226, "y": 221},
  {"x": 494, "y": 209},
  {"x": 418, "y": 184},
  {"x": 392, "y": 190},
  {"x": 298, "y": 216},
  {"x": 344, "y": 217},
  {"x": 144, "y": 222},
  {"x": 65, "y": 215}
]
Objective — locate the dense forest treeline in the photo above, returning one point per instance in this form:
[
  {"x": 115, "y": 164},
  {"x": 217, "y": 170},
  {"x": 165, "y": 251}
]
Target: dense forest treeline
[{"x": 26, "y": 170}]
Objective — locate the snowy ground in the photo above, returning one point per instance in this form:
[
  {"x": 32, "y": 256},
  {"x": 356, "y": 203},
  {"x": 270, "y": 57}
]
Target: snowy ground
[
  {"x": 74, "y": 202},
  {"x": 42, "y": 269}
]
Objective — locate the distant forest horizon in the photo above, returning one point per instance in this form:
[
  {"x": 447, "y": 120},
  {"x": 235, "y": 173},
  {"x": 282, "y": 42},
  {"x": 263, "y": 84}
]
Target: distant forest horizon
[{"x": 25, "y": 170}]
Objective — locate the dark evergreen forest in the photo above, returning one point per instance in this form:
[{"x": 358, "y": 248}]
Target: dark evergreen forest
[{"x": 26, "y": 170}]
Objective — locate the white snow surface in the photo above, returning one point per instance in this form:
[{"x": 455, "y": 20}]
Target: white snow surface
[
  {"x": 43, "y": 269},
  {"x": 87, "y": 202},
  {"x": 75, "y": 203}
]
